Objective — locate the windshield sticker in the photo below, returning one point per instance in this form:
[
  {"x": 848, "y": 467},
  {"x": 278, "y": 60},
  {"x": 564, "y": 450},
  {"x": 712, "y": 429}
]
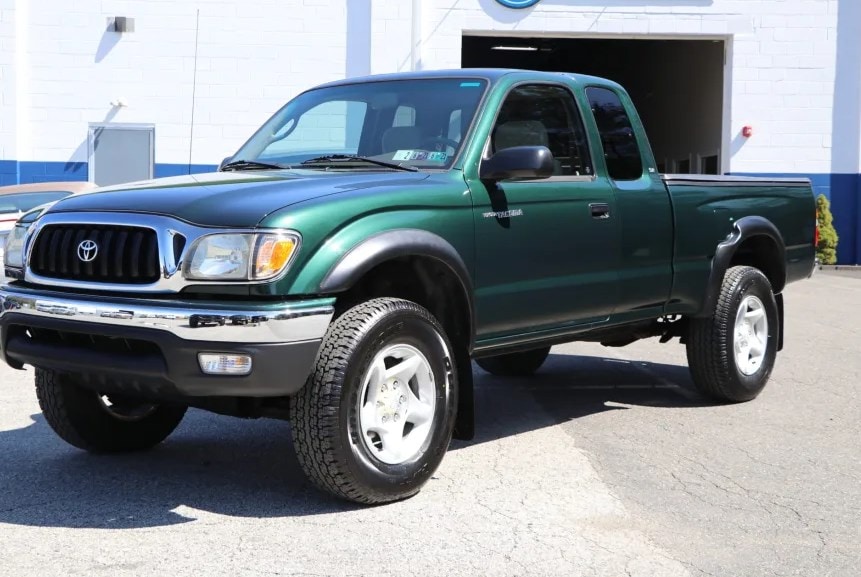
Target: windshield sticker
[
  {"x": 470, "y": 84},
  {"x": 420, "y": 155}
]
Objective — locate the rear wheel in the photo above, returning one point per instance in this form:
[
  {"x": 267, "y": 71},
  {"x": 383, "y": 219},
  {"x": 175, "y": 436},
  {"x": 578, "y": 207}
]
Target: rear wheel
[
  {"x": 101, "y": 423},
  {"x": 515, "y": 364},
  {"x": 731, "y": 353},
  {"x": 376, "y": 416}
]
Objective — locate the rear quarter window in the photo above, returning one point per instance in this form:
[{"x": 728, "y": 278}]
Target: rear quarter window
[{"x": 621, "y": 152}]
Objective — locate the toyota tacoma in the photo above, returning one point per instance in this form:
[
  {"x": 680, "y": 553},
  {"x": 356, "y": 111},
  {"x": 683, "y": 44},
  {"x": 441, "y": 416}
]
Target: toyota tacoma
[{"x": 345, "y": 266}]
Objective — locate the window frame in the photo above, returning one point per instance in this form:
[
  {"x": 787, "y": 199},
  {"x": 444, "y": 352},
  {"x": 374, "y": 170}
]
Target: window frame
[{"x": 485, "y": 154}]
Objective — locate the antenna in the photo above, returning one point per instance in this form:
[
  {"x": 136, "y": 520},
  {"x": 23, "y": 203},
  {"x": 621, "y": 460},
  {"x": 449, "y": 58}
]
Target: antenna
[{"x": 193, "y": 89}]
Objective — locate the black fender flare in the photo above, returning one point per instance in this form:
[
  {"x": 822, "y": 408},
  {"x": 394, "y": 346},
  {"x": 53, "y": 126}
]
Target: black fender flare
[
  {"x": 743, "y": 229},
  {"x": 391, "y": 244}
]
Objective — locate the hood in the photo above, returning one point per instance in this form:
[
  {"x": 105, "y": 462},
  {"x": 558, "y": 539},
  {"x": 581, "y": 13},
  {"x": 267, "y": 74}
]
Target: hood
[{"x": 229, "y": 199}]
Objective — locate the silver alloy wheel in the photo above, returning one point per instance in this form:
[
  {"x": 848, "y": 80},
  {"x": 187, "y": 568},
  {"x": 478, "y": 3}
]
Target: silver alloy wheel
[
  {"x": 396, "y": 404},
  {"x": 751, "y": 335}
]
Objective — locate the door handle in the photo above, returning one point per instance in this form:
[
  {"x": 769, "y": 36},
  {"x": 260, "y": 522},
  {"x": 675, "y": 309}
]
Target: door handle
[{"x": 600, "y": 210}]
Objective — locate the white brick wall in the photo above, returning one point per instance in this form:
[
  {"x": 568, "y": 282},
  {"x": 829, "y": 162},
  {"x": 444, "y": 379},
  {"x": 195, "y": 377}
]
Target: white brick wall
[
  {"x": 7, "y": 79},
  {"x": 254, "y": 55}
]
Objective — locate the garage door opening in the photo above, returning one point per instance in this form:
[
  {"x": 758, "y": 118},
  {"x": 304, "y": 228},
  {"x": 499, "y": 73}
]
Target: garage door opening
[{"x": 676, "y": 85}]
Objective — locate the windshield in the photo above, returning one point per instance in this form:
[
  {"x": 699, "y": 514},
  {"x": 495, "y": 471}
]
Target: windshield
[{"x": 419, "y": 123}]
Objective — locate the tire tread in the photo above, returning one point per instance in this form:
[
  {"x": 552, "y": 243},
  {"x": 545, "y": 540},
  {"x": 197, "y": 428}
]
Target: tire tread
[
  {"x": 314, "y": 410},
  {"x": 708, "y": 348},
  {"x": 75, "y": 416}
]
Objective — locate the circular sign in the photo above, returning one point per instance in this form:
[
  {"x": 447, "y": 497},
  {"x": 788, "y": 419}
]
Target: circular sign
[{"x": 517, "y": 4}]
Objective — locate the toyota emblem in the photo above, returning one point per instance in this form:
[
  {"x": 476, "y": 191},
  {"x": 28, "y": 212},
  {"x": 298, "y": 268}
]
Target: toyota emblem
[{"x": 88, "y": 250}]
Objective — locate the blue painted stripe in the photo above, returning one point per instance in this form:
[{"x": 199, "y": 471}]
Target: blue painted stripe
[
  {"x": 26, "y": 171},
  {"x": 34, "y": 171},
  {"x": 162, "y": 169},
  {"x": 8, "y": 172}
]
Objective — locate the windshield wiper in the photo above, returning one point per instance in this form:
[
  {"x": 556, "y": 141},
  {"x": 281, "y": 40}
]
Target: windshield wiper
[
  {"x": 250, "y": 165},
  {"x": 336, "y": 158}
]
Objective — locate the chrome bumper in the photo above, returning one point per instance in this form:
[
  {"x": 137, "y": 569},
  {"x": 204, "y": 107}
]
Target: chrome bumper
[{"x": 205, "y": 321}]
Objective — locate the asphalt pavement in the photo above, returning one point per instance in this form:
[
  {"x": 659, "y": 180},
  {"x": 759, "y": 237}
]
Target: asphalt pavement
[{"x": 605, "y": 463}]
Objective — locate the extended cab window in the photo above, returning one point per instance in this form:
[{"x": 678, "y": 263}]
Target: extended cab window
[
  {"x": 617, "y": 136},
  {"x": 544, "y": 115}
]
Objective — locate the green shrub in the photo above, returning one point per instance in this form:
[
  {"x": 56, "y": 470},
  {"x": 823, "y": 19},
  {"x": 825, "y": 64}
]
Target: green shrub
[{"x": 826, "y": 250}]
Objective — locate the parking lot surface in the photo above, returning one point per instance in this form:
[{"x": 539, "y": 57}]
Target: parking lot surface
[{"x": 605, "y": 463}]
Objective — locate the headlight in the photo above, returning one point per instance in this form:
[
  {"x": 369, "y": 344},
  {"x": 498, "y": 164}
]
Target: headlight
[
  {"x": 240, "y": 256},
  {"x": 14, "y": 256}
]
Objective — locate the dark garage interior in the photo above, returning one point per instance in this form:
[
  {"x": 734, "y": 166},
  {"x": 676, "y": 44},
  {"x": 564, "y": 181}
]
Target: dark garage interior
[{"x": 677, "y": 85}]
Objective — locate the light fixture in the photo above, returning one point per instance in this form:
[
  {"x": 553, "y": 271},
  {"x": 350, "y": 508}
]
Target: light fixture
[
  {"x": 224, "y": 363},
  {"x": 516, "y": 48}
]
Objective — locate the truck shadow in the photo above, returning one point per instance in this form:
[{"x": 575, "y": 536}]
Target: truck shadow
[
  {"x": 244, "y": 468},
  {"x": 569, "y": 387}
]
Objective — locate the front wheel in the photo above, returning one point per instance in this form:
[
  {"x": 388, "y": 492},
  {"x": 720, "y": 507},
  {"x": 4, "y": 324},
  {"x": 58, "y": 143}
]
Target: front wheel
[
  {"x": 101, "y": 423},
  {"x": 732, "y": 352},
  {"x": 376, "y": 416}
]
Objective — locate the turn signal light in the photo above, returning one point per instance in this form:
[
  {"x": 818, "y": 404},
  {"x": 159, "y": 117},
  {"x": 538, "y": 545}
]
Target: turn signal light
[
  {"x": 224, "y": 364},
  {"x": 273, "y": 254}
]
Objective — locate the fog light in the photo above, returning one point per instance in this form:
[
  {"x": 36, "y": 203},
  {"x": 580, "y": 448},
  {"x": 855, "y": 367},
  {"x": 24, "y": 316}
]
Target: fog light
[{"x": 224, "y": 364}]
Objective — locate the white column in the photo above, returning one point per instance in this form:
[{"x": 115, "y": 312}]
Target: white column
[
  {"x": 8, "y": 91},
  {"x": 846, "y": 129},
  {"x": 23, "y": 145},
  {"x": 358, "y": 59},
  {"x": 391, "y": 36}
]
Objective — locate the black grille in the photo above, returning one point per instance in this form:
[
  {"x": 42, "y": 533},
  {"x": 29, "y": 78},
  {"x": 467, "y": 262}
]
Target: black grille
[{"x": 125, "y": 254}]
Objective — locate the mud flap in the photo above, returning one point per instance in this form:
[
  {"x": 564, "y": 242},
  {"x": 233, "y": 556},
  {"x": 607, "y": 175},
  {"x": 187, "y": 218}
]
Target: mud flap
[
  {"x": 780, "y": 325},
  {"x": 464, "y": 425}
]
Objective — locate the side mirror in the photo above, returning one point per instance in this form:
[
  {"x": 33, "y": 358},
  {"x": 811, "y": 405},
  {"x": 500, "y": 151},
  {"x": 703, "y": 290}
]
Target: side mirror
[
  {"x": 518, "y": 162},
  {"x": 223, "y": 162}
]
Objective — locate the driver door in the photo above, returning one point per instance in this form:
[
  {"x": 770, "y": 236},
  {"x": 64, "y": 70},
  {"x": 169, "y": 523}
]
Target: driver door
[{"x": 547, "y": 249}]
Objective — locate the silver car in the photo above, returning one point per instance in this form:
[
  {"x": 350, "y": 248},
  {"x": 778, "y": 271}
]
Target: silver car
[{"x": 17, "y": 199}]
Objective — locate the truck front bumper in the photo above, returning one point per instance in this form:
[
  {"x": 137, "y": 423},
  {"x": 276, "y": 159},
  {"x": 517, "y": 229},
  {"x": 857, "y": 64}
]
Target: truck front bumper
[{"x": 151, "y": 346}]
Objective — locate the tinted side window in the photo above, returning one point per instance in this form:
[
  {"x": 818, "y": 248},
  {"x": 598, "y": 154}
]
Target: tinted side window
[
  {"x": 544, "y": 115},
  {"x": 617, "y": 136}
]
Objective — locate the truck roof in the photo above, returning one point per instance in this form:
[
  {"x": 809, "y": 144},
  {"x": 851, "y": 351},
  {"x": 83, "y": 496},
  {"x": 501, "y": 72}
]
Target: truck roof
[{"x": 493, "y": 75}]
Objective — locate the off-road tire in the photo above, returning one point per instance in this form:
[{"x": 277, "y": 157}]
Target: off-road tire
[
  {"x": 711, "y": 340},
  {"x": 520, "y": 364},
  {"x": 324, "y": 417},
  {"x": 80, "y": 417}
]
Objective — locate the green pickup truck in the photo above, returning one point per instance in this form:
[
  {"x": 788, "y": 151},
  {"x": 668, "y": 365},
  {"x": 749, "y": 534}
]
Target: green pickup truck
[{"x": 344, "y": 267}]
